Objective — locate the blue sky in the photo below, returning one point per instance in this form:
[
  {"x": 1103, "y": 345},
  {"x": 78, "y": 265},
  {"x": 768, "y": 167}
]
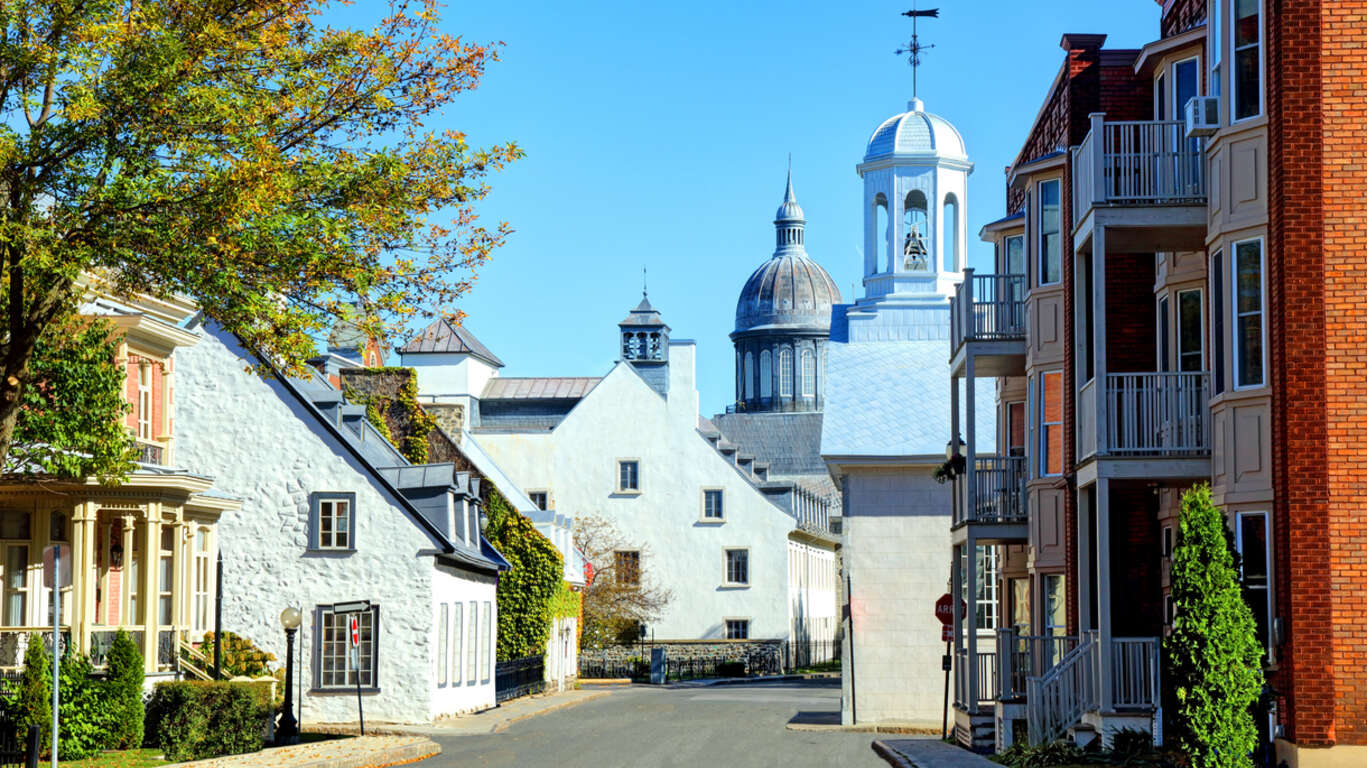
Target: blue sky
[{"x": 657, "y": 134}]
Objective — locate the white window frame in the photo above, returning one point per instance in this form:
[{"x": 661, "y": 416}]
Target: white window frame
[
  {"x": 785, "y": 372},
  {"x": 726, "y": 566},
  {"x": 472, "y": 647},
  {"x": 203, "y": 578},
  {"x": 1234, "y": 55},
  {"x": 1215, "y": 13},
  {"x": 488, "y": 645},
  {"x": 636, "y": 476},
  {"x": 743, "y": 621},
  {"x": 145, "y": 400},
  {"x": 1234, "y": 315},
  {"x": 704, "y": 513},
  {"x": 325, "y": 665},
  {"x": 1039, "y": 235},
  {"x": 1177, "y": 325},
  {"x": 457, "y": 643},
  {"x": 16, "y": 584},
  {"x": 443, "y": 638},
  {"x": 808, "y": 362},
  {"x": 1043, "y": 432},
  {"x": 1048, "y": 628},
  {"x": 988, "y": 556}
]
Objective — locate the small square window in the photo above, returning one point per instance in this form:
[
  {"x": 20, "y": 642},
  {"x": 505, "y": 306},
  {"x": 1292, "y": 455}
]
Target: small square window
[
  {"x": 627, "y": 567},
  {"x": 737, "y": 629},
  {"x": 628, "y": 475},
  {"x": 541, "y": 499},
  {"x": 712, "y": 504},
  {"x": 332, "y": 521},
  {"x": 738, "y": 566}
]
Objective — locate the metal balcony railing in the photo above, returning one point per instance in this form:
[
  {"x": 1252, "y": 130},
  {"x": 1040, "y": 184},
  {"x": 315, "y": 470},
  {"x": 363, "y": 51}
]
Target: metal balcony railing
[
  {"x": 996, "y": 494},
  {"x": 1020, "y": 657},
  {"x": 987, "y": 308},
  {"x": 1145, "y": 162},
  {"x": 1157, "y": 414}
]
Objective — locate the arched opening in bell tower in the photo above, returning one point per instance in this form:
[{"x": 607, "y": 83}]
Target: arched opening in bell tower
[
  {"x": 916, "y": 256},
  {"x": 881, "y": 237},
  {"x": 951, "y": 234}
]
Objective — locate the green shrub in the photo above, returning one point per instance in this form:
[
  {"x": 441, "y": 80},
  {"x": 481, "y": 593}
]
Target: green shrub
[
  {"x": 34, "y": 700},
  {"x": 1052, "y": 755},
  {"x": 1213, "y": 654},
  {"x": 241, "y": 657},
  {"x": 86, "y": 714},
  {"x": 196, "y": 720},
  {"x": 124, "y": 693}
]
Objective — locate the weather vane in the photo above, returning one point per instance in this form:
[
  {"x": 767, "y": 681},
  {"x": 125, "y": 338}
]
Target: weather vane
[{"x": 914, "y": 47}]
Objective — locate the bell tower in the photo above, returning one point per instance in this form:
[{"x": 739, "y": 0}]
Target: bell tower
[{"x": 644, "y": 343}]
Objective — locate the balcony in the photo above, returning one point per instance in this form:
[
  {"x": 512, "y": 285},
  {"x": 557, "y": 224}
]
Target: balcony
[
  {"x": 1144, "y": 178},
  {"x": 984, "y": 666},
  {"x": 1146, "y": 415},
  {"x": 987, "y": 312},
  {"x": 992, "y": 499}
]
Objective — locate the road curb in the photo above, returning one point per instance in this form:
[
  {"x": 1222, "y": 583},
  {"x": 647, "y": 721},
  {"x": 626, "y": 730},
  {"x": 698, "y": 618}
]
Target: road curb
[
  {"x": 605, "y": 681},
  {"x": 416, "y": 748},
  {"x": 905, "y": 730},
  {"x": 894, "y": 758},
  {"x": 503, "y": 726}
]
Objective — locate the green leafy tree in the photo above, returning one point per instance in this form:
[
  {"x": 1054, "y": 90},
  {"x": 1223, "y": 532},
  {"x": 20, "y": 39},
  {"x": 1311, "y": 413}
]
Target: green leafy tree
[
  {"x": 526, "y": 592},
  {"x": 249, "y": 154},
  {"x": 35, "y": 689},
  {"x": 1213, "y": 654},
  {"x": 70, "y": 423},
  {"x": 124, "y": 693}
]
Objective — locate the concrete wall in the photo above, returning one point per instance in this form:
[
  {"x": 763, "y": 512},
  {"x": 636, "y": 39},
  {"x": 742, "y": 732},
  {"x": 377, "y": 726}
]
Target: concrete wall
[
  {"x": 623, "y": 418},
  {"x": 264, "y": 447},
  {"x": 897, "y": 557}
]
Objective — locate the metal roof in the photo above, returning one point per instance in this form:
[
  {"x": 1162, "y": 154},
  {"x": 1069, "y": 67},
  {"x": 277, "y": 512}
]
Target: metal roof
[
  {"x": 549, "y": 388},
  {"x": 444, "y": 337}
]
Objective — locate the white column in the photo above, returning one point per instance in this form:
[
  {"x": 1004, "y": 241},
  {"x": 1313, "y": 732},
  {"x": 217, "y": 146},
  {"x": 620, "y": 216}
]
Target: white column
[
  {"x": 971, "y": 622},
  {"x": 955, "y": 495},
  {"x": 1099, "y": 335},
  {"x": 1103, "y": 590},
  {"x": 971, "y": 438},
  {"x": 1084, "y": 561}
]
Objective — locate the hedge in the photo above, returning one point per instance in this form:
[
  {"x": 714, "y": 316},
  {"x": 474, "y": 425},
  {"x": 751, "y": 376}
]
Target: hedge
[
  {"x": 96, "y": 714},
  {"x": 196, "y": 719}
]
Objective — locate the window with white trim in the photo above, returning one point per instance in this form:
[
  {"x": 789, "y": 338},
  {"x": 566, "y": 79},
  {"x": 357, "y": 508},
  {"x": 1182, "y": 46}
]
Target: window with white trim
[
  {"x": 628, "y": 475},
  {"x": 457, "y": 641},
  {"x": 785, "y": 373},
  {"x": 808, "y": 373},
  {"x": 1251, "y": 539},
  {"x": 16, "y": 583},
  {"x": 1051, "y": 423},
  {"x": 541, "y": 499},
  {"x": 332, "y": 644},
  {"x": 1217, "y": 323},
  {"x": 443, "y": 633},
  {"x": 332, "y": 521},
  {"x": 472, "y": 647},
  {"x": 1050, "y": 233},
  {"x": 985, "y": 604},
  {"x": 1216, "y": 44},
  {"x": 488, "y": 642},
  {"x": 203, "y": 574},
  {"x": 1246, "y": 76},
  {"x": 1055, "y": 613},
  {"x": 145, "y": 401},
  {"x": 737, "y": 629},
  {"x": 738, "y": 567},
  {"x": 166, "y": 575},
  {"x": 1248, "y": 314},
  {"x": 712, "y": 508}
]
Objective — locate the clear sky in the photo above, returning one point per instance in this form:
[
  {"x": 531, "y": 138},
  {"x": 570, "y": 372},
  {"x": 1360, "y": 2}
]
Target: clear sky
[{"x": 657, "y": 134}]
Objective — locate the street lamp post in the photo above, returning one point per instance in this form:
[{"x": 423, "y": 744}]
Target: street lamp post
[{"x": 288, "y": 733}]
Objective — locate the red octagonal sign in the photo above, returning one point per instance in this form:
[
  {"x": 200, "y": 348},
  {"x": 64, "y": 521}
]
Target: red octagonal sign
[{"x": 944, "y": 609}]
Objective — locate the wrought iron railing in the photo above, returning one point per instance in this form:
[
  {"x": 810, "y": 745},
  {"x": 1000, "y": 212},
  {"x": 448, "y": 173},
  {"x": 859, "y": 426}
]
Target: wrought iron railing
[{"x": 519, "y": 677}]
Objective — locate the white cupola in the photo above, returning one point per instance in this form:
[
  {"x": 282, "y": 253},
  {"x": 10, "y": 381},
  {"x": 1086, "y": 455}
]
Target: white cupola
[{"x": 915, "y": 173}]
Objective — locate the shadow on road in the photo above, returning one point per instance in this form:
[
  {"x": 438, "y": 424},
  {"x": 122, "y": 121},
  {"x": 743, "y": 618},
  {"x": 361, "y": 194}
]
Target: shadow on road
[{"x": 816, "y": 718}]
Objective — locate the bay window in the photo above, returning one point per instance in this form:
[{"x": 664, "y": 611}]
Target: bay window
[
  {"x": 1248, "y": 314},
  {"x": 1247, "y": 73}
]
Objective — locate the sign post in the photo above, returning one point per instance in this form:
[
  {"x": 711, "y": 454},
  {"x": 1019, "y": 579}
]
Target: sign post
[
  {"x": 354, "y": 630},
  {"x": 944, "y": 611},
  {"x": 56, "y": 574}
]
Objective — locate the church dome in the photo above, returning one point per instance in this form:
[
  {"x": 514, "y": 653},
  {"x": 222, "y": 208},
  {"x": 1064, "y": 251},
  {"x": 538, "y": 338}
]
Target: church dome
[
  {"x": 915, "y": 132},
  {"x": 788, "y": 291}
]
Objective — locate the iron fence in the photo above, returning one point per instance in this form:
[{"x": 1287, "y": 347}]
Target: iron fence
[
  {"x": 635, "y": 668},
  {"x": 519, "y": 677},
  {"x": 810, "y": 654},
  {"x": 16, "y": 752}
]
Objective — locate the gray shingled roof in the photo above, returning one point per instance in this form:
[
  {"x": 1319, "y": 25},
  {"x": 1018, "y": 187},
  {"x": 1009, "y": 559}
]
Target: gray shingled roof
[
  {"x": 444, "y": 337},
  {"x": 789, "y": 442},
  {"x": 550, "y": 388}
]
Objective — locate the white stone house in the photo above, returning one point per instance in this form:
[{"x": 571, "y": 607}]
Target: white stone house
[
  {"x": 703, "y": 519},
  {"x": 332, "y": 513},
  {"x": 887, "y": 406}
]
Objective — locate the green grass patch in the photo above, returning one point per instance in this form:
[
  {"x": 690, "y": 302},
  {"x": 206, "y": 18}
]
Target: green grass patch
[{"x": 125, "y": 758}]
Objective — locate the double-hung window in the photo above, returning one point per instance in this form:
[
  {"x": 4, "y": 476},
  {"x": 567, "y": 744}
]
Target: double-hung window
[
  {"x": 1051, "y": 423},
  {"x": 985, "y": 603},
  {"x": 628, "y": 476},
  {"x": 145, "y": 401},
  {"x": 332, "y": 521},
  {"x": 626, "y": 566},
  {"x": 1247, "y": 72},
  {"x": 1189, "y": 330},
  {"x": 1248, "y": 314},
  {"x": 737, "y": 629},
  {"x": 1217, "y": 323},
  {"x": 785, "y": 373},
  {"x": 1055, "y": 613},
  {"x": 712, "y": 508},
  {"x": 1252, "y": 540},
  {"x": 738, "y": 567},
  {"x": 203, "y": 573},
  {"x": 332, "y": 644},
  {"x": 808, "y": 373},
  {"x": 1050, "y": 233}
]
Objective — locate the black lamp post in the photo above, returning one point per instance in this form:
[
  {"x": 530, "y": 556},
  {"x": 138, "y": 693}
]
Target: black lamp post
[{"x": 288, "y": 733}]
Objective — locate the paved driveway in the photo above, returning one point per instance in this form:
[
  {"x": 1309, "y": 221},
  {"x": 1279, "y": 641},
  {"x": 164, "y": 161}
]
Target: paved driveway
[{"x": 734, "y": 726}]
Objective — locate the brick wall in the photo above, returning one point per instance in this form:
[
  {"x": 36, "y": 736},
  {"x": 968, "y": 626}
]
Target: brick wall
[
  {"x": 1296, "y": 263},
  {"x": 1131, "y": 322},
  {"x": 1136, "y": 557}
]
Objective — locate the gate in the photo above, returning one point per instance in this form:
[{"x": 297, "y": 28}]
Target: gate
[{"x": 519, "y": 677}]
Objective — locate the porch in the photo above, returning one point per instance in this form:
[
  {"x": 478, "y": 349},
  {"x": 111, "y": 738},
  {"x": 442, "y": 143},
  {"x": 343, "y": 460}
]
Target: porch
[
  {"x": 1155, "y": 414},
  {"x": 991, "y": 497},
  {"x": 987, "y": 321}
]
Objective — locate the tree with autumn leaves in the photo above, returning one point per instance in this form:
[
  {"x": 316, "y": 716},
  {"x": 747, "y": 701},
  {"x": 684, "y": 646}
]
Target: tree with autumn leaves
[{"x": 249, "y": 154}]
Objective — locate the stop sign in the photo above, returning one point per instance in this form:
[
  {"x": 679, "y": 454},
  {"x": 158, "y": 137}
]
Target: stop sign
[
  {"x": 355, "y": 631},
  {"x": 944, "y": 609}
]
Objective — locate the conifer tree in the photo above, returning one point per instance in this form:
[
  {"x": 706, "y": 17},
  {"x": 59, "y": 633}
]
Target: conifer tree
[{"x": 1213, "y": 655}]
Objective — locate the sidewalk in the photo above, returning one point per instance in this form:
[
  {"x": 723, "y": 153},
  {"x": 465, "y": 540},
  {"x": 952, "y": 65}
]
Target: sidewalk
[
  {"x": 360, "y": 752},
  {"x": 928, "y": 753},
  {"x": 493, "y": 720}
]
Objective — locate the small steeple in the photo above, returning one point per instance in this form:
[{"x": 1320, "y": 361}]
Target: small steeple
[
  {"x": 644, "y": 343},
  {"x": 789, "y": 222}
]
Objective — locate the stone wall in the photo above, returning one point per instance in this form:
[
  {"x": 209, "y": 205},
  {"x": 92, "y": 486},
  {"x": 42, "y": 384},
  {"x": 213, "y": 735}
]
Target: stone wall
[{"x": 764, "y": 653}]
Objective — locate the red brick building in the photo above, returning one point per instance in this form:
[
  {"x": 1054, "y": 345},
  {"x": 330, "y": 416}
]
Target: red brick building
[{"x": 1177, "y": 298}]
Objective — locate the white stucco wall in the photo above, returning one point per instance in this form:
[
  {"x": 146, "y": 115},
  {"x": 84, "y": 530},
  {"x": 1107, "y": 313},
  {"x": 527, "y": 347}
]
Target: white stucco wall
[
  {"x": 623, "y": 418},
  {"x": 812, "y": 593},
  {"x": 457, "y": 692},
  {"x": 896, "y": 551},
  {"x": 263, "y": 446}
]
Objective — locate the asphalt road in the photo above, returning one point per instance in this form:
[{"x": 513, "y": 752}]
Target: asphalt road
[{"x": 734, "y": 726}]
